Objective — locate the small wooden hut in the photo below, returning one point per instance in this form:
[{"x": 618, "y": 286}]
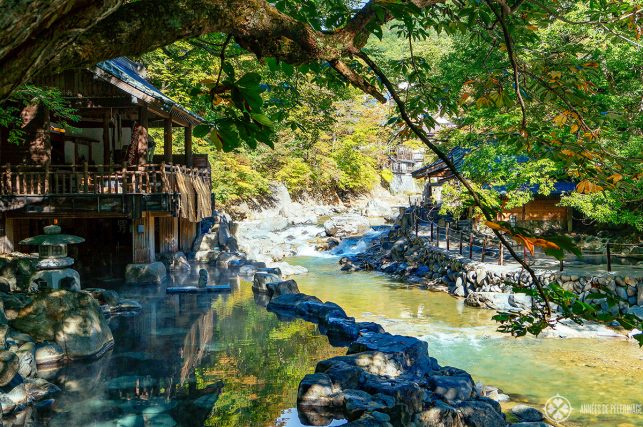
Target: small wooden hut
[{"x": 541, "y": 212}]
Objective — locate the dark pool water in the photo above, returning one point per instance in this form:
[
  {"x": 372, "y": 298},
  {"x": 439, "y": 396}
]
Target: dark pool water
[
  {"x": 228, "y": 347},
  {"x": 185, "y": 352}
]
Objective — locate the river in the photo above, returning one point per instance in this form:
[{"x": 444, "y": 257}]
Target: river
[{"x": 182, "y": 344}]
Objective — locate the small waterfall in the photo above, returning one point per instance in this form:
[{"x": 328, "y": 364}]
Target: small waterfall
[{"x": 356, "y": 245}]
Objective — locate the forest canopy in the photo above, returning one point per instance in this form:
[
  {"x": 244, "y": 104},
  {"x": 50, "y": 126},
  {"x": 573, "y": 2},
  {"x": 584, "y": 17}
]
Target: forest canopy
[{"x": 299, "y": 91}]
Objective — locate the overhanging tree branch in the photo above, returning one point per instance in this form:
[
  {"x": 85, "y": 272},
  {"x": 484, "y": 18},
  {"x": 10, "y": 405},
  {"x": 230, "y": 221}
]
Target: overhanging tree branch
[{"x": 447, "y": 161}]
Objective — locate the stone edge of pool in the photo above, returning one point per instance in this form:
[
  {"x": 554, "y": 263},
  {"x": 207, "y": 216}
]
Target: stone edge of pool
[{"x": 383, "y": 379}]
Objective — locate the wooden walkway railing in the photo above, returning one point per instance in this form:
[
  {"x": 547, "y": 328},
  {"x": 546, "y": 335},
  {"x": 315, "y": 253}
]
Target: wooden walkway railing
[{"x": 94, "y": 179}]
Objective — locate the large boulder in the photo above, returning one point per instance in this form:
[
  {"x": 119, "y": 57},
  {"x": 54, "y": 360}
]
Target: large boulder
[
  {"x": 206, "y": 242},
  {"x": 476, "y": 413},
  {"x": 262, "y": 279},
  {"x": 205, "y": 257},
  {"x": 49, "y": 354},
  {"x": 288, "y": 304},
  {"x": 373, "y": 362},
  {"x": 72, "y": 319},
  {"x": 316, "y": 390},
  {"x": 145, "y": 274},
  {"x": 282, "y": 287},
  {"x": 452, "y": 388},
  {"x": 439, "y": 414},
  {"x": 175, "y": 261},
  {"x": 9, "y": 365},
  {"x": 412, "y": 353},
  {"x": 347, "y": 225}
]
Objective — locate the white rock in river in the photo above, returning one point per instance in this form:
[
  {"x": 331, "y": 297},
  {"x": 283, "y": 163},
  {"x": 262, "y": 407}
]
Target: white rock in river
[
  {"x": 347, "y": 225},
  {"x": 288, "y": 269}
]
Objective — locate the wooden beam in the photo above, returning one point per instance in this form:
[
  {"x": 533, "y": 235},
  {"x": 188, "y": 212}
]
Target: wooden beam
[
  {"x": 143, "y": 117},
  {"x": 188, "y": 146},
  {"x": 106, "y": 141},
  {"x": 167, "y": 140}
]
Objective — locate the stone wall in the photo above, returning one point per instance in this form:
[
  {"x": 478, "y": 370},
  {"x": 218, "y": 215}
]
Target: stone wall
[{"x": 418, "y": 262}]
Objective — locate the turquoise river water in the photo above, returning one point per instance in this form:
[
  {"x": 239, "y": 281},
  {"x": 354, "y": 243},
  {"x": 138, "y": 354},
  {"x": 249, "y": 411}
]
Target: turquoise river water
[{"x": 185, "y": 352}]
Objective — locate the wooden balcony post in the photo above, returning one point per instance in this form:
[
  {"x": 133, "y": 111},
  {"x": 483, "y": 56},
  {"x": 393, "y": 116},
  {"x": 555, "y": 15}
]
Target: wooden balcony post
[
  {"x": 106, "y": 141},
  {"x": 188, "y": 146},
  {"x": 85, "y": 177},
  {"x": 167, "y": 140}
]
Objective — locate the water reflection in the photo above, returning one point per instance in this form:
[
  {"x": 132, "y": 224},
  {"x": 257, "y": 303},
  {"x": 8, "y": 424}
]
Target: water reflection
[
  {"x": 605, "y": 371},
  {"x": 192, "y": 360}
]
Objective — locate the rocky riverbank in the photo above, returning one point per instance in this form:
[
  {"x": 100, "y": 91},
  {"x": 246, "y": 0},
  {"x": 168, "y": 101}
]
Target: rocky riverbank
[
  {"x": 384, "y": 379},
  {"x": 485, "y": 285},
  {"x": 43, "y": 329}
]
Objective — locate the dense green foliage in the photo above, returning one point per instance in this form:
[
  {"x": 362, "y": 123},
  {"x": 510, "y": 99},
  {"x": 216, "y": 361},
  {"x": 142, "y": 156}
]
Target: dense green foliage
[
  {"x": 539, "y": 91},
  {"x": 321, "y": 142}
]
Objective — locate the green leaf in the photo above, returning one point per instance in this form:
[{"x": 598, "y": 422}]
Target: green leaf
[
  {"x": 249, "y": 80},
  {"x": 262, "y": 119},
  {"x": 200, "y": 131},
  {"x": 216, "y": 140}
]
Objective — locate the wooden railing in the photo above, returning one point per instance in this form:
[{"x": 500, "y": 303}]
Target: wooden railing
[{"x": 94, "y": 179}]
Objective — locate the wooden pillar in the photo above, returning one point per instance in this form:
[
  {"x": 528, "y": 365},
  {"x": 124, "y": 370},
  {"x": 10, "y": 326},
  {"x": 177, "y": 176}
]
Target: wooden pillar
[
  {"x": 106, "y": 140},
  {"x": 188, "y": 146},
  {"x": 187, "y": 234},
  {"x": 143, "y": 239},
  {"x": 167, "y": 140},
  {"x": 168, "y": 234}
]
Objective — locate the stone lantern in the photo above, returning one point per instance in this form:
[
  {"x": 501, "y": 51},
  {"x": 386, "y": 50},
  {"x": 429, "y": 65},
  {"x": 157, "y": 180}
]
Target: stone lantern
[{"x": 52, "y": 268}]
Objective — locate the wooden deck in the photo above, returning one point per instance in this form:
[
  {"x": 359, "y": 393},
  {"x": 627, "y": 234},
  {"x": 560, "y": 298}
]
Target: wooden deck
[{"x": 95, "y": 179}]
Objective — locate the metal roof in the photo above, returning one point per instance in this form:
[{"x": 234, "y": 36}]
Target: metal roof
[
  {"x": 457, "y": 157},
  {"x": 127, "y": 73}
]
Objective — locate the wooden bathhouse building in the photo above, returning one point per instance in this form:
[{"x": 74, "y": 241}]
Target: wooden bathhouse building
[
  {"x": 100, "y": 180},
  {"x": 541, "y": 212}
]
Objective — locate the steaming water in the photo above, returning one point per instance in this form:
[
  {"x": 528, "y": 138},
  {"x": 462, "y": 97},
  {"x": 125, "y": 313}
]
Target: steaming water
[{"x": 180, "y": 344}]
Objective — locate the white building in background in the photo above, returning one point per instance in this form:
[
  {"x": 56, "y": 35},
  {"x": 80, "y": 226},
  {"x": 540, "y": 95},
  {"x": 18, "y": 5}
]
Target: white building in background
[{"x": 405, "y": 160}]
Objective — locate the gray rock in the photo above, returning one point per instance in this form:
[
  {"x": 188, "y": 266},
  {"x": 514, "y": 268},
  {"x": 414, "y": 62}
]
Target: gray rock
[
  {"x": 439, "y": 414},
  {"x": 276, "y": 289},
  {"x": 145, "y": 274},
  {"x": 527, "y": 413},
  {"x": 18, "y": 394},
  {"x": 289, "y": 303},
  {"x": 261, "y": 280},
  {"x": 175, "y": 261},
  {"x": 637, "y": 311},
  {"x": 530, "y": 424},
  {"x": 103, "y": 296},
  {"x": 371, "y": 419},
  {"x": 357, "y": 402},
  {"x": 452, "y": 388},
  {"x": 203, "y": 278},
  {"x": 206, "y": 257},
  {"x": 318, "y": 311},
  {"x": 340, "y": 328},
  {"x": 373, "y": 362},
  {"x": 9, "y": 365},
  {"x": 72, "y": 319},
  {"x": 480, "y": 414},
  {"x": 206, "y": 242},
  {"x": 39, "y": 389},
  {"x": 27, "y": 359},
  {"x": 7, "y": 405},
  {"x": 48, "y": 354},
  {"x": 413, "y": 352},
  {"x": 227, "y": 260},
  {"x": 316, "y": 390},
  {"x": 346, "y": 225}
]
